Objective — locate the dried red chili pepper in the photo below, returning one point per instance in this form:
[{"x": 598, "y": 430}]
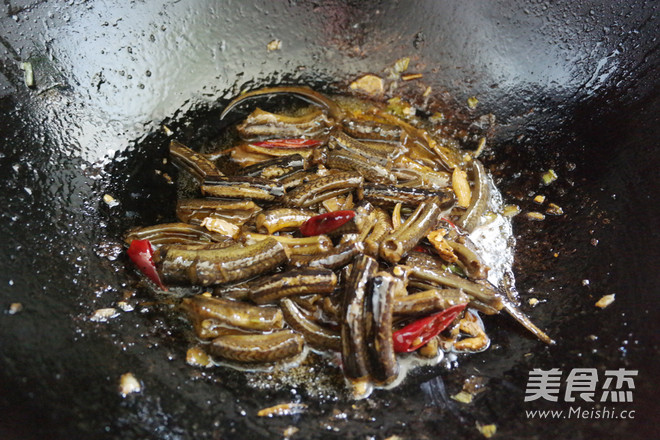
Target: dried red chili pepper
[
  {"x": 324, "y": 223},
  {"x": 141, "y": 253},
  {"x": 288, "y": 143},
  {"x": 418, "y": 333}
]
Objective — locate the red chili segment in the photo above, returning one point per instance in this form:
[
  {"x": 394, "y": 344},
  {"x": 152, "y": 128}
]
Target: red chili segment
[
  {"x": 288, "y": 143},
  {"x": 422, "y": 248},
  {"x": 324, "y": 223},
  {"x": 418, "y": 333},
  {"x": 141, "y": 253},
  {"x": 450, "y": 223}
]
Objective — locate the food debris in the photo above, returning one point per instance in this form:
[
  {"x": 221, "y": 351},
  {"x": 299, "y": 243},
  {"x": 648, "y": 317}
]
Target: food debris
[
  {"x": 28, "y": 73},
  {"x": 430, "y": 349},
  {"x": 549, "y": 177},
  {"x": 511, "y": 210},
  {"x": 487, "y": 430},
  {"x": 399, "y": 107},
  {"x": 478, "y": 339},
  {"x": 605, "y": 301},
  {"x": 274, "y": 45},
  {"x": 290, "y": 431},
  {"x": 369, "y": 84},
  {"x": 463, "y": 397},
  {"x": 110, "y": 201},
  {"x": 535, "y": 216},
  {"x": 401, "y": 65},
  {"x": 540, "y": 199},
  {"x": 412, "y": 76},
  {"x": 102, "y": 315},
  {"x": 480, "y": 147},
  {"x": 15, "y": 308},
  {"x": 472, "y": 102},
  {"x": 443, "y": 248},
  {"x": 461, "y": 187},
  {"x": 437, "y": 118},
  {"x": 221, "y": 227},
  {"x": 554, "y": 209},
  {"x": 197, "y": 357},
  {"x": 125, "y": 306},
  {"x": 283, "y": 409},
  {"x": 533, "y": 301},
  {"x": 168, "y": 132},
  {"x": 128, "y": 384}
]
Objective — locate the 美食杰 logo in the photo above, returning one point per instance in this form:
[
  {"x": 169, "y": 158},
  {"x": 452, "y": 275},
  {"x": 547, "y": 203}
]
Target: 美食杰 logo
[{"x": 582, "y": 385}]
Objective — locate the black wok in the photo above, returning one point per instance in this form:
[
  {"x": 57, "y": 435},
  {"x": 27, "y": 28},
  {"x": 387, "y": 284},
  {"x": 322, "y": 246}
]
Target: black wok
[{"x": 574, "y": 87}]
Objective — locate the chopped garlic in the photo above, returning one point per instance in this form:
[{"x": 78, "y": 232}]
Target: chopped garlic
[
  {"x": 348, "y": 203},
  {"x": 369, "y": 84},
  {"x": 554, "y": 209},
  {"x": 399, "y": 107},
  {"x": 549, "y": 177},
  {"x": 14, "y": 308},
  {"x": 197, "y": 357},
  {"x": 28, "y": 73},
  {"x": 487, "y": 430},
  {"x": 430, "y": 349},
  {"x": 110, "y": 201},
  {"x": 333, "y": 204},
  {"x": 125, "y": 306},
  {"x": 463, "y": 397},
  {"x": 437, "y": 118},
  {"x": 535, "y": 216},
  {"x": 401, "y": 65},
  {"x": 540, "y": 199},
  {"x": 472, "y": 102},
  {"x": 511, "y": 210},
  {"x": 605, "y": 301},
  {"x": 128, "y": 384},
  {"x": 289, "y": 431},
  {"x": 274, "y": 45},
  {"x": 533, "y": 301},
  {"x": 283, "y": 409},
  {"x": 102, "y": 315}
]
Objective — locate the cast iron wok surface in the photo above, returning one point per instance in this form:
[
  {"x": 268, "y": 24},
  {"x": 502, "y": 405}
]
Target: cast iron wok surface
[{"x": 574, "y": 89}]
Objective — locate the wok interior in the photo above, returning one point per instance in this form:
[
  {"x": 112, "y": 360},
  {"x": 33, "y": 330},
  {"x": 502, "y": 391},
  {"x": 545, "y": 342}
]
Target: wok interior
[{"x": 572, "y": 87}]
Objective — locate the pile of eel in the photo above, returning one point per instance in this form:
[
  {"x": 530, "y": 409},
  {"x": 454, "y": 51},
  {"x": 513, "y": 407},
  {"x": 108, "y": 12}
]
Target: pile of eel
[{"x": 344, "y": 230}]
